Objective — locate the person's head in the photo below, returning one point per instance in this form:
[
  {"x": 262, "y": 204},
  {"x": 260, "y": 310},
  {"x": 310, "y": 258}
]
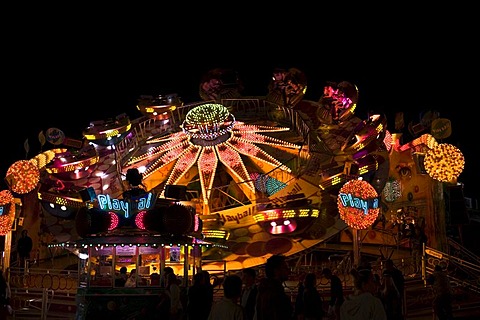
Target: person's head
[
  {"x": 198, "y": 279},
  {"x": 206, "y": 276},
  {"x": 123, "y": 270},
  {"x": 171, "y": 279},
  {"x": 364, "y": 280},
  {"x": 132, "y": 273},
  {"x": 232, "y": 286},
  {"x": 327, "y": 273},
  {"x": 310, "y": 280},
  {"x": 167, "y": 271},
  {"x": 277, "y": 268},
  {"x": 249, "y": 276},
  {"x": 389, "y": 264}
]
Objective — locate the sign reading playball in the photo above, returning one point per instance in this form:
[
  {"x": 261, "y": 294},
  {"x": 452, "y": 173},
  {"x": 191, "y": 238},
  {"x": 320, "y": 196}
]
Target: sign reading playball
[{"x": 358, "y": 204}]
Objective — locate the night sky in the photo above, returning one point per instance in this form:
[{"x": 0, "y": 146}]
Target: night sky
[{"x": 53, "y": 80}]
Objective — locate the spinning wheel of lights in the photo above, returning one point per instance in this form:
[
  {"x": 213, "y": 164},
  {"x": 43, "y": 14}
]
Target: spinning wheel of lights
[
  {"x": 444, "y": 162},
  {"x": 365, "y": 132}
]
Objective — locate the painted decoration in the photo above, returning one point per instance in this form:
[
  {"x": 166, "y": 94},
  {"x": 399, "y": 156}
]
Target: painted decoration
[{"x": 441, "y": 128}]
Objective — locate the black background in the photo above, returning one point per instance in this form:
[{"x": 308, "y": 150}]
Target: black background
[{"x": 65, "y": 70}]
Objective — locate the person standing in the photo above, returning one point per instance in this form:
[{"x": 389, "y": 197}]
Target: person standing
[
  {"x": 336, "y": 293},
  {"x": 312, "y": 306},
  {"x": 199, "y": 300},
  {"x": 398, "y": 279},
  {"x": 174, "y": 293},
  {"x": 362, "y": 304},
  {"x": 272, "y": 301},
  {"x": 122, "y": 277},
  {"x": 132, "y": 279},
  {"x": 249, "y": 292},
  {"x": 5, "y": 295},
  {"x": 229, "y": 308},
  {"x": 390, "y": 297},
  {"x": 418, "y": 242},
  {"x": 24, "y": 247},
  {"x": 442, "y": 293}
]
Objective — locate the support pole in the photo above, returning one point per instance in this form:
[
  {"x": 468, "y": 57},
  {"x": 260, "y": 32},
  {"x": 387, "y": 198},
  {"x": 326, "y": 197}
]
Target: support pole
[{"x": 356, "y": 247}]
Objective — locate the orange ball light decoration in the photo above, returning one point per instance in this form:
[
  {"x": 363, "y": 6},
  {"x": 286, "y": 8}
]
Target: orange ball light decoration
[
  {"x": 7, "y": 205},
  {"x": 358, "y": 204},
  {"x": 444, "y": 162},
  {"x": 22, "y": 176}
]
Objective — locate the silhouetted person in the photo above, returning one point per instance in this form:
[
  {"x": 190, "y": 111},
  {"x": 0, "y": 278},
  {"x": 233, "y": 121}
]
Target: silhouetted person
[
  {"x": 24, "y": 247},
  {"x": 5, "y": 295},
  {"x": 442, "y": 291},
  {"x": 174, "y": 292},
  {"x": 336, "y": 293},
  {"x": 229, "y": 308},
  {"x": 166, "y": 272},
  {"x": 249, "y": 292},
  {"x": 154, "y": 277},
  {"x": 418, "y": 240},
  {"x": 122, "y": 277},
  {"x": 272, "y": 301},
  {"x": 132, "y": 279},
  {"x": 199, "y": 298},
  {"x": 362, "y": 304},
  {"x": 397, "y": 277},
  {"x": 312, "y": 306},
  {"x": 390, "y": 297}
]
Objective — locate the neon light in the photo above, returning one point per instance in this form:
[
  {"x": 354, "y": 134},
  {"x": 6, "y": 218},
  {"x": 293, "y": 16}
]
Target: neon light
[{"x": 125, "y": 207}]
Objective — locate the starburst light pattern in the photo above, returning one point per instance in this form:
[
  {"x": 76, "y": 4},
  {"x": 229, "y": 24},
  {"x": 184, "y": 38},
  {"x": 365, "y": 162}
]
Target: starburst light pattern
[{"x": 210, "y": 138}]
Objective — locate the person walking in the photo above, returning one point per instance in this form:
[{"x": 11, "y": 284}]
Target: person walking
[
  {"x": 442, "y": 293},
  {"x": 273, "y": 303},
  {"x": 336, "y": 293},
  {"x": 229, "y": 308},
  {"x": 24, "y": 247},
  {"x": 362, "y": 304},
  {"x": 249, "y": 292}
]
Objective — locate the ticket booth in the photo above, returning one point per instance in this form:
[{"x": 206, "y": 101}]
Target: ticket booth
[{"x": 101, "y": 259}]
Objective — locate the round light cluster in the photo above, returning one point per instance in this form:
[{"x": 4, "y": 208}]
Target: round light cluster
[
  {"x": 23, "y": 176},
  {"x": 354, "y": 204},
  {"x": 444, "y": 162},
  {"x": 6, "y": 219}
]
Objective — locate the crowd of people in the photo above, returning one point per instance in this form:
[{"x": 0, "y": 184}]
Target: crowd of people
[{"x": 247, "y": 296}]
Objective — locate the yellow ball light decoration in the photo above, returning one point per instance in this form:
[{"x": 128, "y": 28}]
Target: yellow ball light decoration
[
  {"x": 7, "y": 217},
  {"x": 22, "y": 176},
  {"x": 358, "y": 204},
  {"x": 444, "y": 162}
]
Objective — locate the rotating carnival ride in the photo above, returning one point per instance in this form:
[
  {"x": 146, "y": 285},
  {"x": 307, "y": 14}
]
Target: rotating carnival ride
[{"x": 255, "y": 175}]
